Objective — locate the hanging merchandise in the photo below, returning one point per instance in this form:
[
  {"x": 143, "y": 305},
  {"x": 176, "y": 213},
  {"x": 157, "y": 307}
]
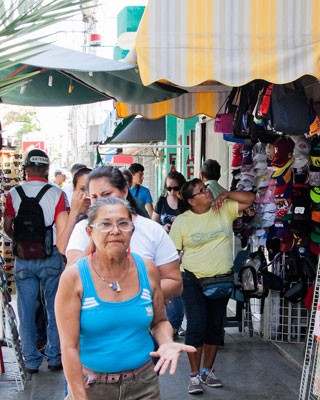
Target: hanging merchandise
[
  {"x": 10, "y": 176},
  {"x": 289, "y": 110},
  {"x": 314, "y": 128},
  {"x": 223, "y": 121}
]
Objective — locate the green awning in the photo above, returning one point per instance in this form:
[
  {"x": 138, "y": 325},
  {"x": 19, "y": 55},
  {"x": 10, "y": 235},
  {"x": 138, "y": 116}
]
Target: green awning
[{"x": 93, "y": 79}]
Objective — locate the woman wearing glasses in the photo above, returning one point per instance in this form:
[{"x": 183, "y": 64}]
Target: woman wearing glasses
[
  {"x": 169, "y": 204},
  {"x": 204, "y": 234},
  {"x": 106, "y": 306},
  {"x": 149, "y": 239}
]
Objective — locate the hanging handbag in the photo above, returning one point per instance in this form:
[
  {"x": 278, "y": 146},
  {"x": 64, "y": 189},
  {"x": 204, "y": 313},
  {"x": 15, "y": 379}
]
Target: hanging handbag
[
  {"x": 289, "y": 110},
  {"x": 223, "y": 121},
  {"x": 217, "y": 287}
]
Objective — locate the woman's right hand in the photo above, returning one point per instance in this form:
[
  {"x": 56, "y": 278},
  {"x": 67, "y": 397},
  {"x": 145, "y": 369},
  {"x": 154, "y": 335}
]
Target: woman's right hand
[{"x": 79, "y": 199}]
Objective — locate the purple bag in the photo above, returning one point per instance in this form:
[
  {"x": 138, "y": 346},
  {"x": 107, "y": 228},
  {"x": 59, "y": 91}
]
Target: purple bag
[{"x": 223, "y": 123}]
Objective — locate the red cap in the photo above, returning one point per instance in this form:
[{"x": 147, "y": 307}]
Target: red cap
[
  {"x": 283, "y": 151},
  {"x": 236, "y": 155}
]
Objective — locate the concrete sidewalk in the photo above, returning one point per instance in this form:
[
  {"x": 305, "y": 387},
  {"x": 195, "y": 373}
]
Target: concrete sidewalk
[{"x": 250, "y": 369}]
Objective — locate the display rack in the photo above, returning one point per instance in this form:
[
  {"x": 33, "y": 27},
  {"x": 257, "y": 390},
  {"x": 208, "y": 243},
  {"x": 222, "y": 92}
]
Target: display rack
[
  {"x": 287, "y": 322},
  {"x": 12, "y": 364},
  {"x": 10, "y": 175},
  {"x": 310, "y": 378}
]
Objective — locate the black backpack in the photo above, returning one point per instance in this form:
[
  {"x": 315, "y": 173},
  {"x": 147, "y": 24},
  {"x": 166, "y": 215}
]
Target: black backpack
[{"x": 31, "y": 238}]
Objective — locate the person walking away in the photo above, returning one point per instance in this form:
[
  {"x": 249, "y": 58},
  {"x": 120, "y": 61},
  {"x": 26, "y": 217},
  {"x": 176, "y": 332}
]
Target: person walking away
[
  {"x": 204, "y": 234},
  {"x": 37, "y": 260},
  {"x": 104, "y": 360},
  {"x": 210, "y": 173},
  {"x": 167, "y": 208},
  {"x": 139, "y": 191}
]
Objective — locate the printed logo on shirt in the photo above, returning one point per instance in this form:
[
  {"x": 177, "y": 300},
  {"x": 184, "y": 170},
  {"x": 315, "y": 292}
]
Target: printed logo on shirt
[
  {"x": 200, "y": 237},
  {"x": 149, "y": 310},
  {"x": 89, "y": 302},
  {"x": 146, "y": 294}
]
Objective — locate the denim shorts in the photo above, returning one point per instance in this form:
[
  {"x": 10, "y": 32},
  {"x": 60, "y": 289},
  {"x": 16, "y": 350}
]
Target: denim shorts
[
  {"x": 205, "y": 317},
  {"x": 144, "y": 385}
]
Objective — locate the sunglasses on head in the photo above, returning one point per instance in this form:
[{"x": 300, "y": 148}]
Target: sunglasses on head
[{"x": 175, "y": 188}]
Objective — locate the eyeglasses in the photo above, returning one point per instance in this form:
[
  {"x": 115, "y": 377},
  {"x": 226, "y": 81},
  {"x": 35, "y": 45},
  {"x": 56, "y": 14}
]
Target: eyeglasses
[
  {"x": 201, "y": 191},
  {"x": 106, "y": 226},
  {"x": 175, "y": 188}
]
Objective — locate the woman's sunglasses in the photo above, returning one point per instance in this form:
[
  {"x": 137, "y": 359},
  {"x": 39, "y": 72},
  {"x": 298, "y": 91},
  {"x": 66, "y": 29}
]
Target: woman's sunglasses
[{"x": 175, "y": 188}]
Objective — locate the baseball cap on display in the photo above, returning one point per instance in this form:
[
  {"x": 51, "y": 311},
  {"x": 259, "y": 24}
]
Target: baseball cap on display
[
  {"x": 284, "y": 208},
  {"x": 281, "y": 229},
  {"x": 301, "y": 175},
  {"x": 302, "y": 146},
  {"x": 283, "y": 172},
  {"x": 314, "y": 248},
  {"x": 315, "y": 234},
  {"x": 315, "y": 216},
  {"x": 36, "y": 158},
  {"x": 236, "y": 155},
  {"x": 315, "y": 194},
  {"x": 300, "y": 161},
  {"x": 247, "y": 155},
  {"x": 315, "y": 153},
  {"x": 314, "y": 178},
  {"x": 283, "y": 190},
  {"x": 283, "y": 151},
  {"x": 301, "y": 204}
]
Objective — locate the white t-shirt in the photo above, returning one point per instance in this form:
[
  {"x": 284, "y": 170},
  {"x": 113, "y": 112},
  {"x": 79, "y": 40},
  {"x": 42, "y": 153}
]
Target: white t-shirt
[{"x": 149, "y": 240}]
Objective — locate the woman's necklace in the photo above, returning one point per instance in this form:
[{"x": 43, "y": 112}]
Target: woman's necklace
[{"x": 114, "y": 285}]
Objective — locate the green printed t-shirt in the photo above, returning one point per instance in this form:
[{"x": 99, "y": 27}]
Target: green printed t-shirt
[{"x": 206, "y": 240}]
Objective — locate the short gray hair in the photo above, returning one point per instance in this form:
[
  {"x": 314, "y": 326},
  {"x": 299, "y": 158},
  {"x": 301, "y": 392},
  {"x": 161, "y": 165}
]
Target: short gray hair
[{"x": 95, "y": 207}]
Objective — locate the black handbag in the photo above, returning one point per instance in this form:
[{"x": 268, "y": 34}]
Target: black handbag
[{"x": 289, "y": 110}]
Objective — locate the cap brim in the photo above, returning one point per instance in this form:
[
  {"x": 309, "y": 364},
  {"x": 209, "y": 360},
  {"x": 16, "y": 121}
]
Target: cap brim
[
  {"x": 315, "y": 237},
  {"x": 314, "y": 196}
]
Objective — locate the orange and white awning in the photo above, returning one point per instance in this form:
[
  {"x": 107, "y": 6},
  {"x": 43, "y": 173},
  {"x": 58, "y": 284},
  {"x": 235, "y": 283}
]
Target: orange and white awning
[
  {"x": 186, "y": 106},
  {"x": 188, "y": 42},
  {"x": 205, "y": 44}
]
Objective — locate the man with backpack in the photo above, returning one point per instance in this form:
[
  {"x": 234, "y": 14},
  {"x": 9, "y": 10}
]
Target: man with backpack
[{"x": 35, "y": 213}]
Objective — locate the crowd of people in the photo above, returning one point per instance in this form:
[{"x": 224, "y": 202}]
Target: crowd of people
[{"x": 121, "y": 274}]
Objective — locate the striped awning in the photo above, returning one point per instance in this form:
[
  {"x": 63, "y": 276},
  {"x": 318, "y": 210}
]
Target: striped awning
[
  {"x": 188, "y": 42},
  {"x": 186, "y": 106}
]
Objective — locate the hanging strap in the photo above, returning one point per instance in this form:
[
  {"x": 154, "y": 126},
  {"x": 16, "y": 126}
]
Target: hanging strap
[
  {"x": 42, "y": 192},
  {"x": 137, "y": 191},
  {"x": 39, "y": 196}
]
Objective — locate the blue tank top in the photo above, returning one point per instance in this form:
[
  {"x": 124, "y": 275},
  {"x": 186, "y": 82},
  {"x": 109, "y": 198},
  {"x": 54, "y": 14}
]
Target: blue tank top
[{"x": 115, "y": 337}]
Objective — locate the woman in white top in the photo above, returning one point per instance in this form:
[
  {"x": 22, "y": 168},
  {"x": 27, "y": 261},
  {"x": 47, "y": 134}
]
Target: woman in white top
[{"x": 148, "y": 240}]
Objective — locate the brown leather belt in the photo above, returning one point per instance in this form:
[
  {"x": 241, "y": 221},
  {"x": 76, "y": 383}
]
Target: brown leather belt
[{"x": 91, "y": 377}]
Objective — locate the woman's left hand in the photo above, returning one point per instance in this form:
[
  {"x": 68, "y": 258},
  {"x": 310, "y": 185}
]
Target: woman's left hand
[{"x": 169, "y": 354}]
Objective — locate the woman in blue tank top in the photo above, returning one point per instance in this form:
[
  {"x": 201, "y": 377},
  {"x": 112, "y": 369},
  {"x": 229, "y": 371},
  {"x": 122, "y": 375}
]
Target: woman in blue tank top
[{"x": 107, "y": 307}]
